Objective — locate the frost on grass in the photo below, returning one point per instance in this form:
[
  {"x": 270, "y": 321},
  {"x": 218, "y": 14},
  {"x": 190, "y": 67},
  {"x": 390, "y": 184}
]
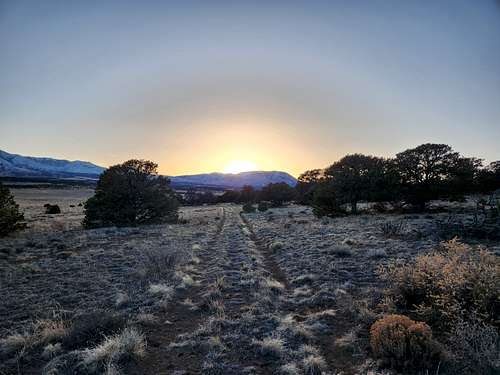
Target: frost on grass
[
  {"x": 376, "y": 253},
  {"x": 302, "y": 291},
  {"x": 289, "y": 326},
  {"x": 114, "y": 350},
  {"x": 270, "y": 346},
  {"x": 13, "y": 343},
  {"x": 272, "y": 284},
  {"x": 51, "y": 350},
  {"x": 146, "y": 319},
  {"x": 304, "y": 279},
  {"x": 184, "y": 279},
  {"x": 122, "y": 299},
  {"x": 289, "y": 369},
  {"x": 314, "y": 364},
  {"x": 163, "y": 290},
  {"x": 348, "y": 340}
]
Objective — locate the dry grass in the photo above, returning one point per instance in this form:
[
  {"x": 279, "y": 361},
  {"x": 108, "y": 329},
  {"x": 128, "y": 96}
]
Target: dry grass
[
  {"x": 270, "y": 346},
  {"x": 114, "y": 350},
  {"x": 13, "y": 344},
  {"x": 314, "y": 364},
  {"x": 163, "y": 290}
]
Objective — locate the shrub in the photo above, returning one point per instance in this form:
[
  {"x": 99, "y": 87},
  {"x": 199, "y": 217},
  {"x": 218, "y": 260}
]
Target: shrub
[
  {"x": 476, "y": 348},
  {"x": 393, "y": 228},
  {"x": 447, "y": 286},
  {"x": 263, "y": 206},
  {"x": 485, "y": 223},
  {"x": 248, "y": 208},
  {"x": 404, "y": 344},
  {"x": 11, "y": 219},
  {"x": 159, "y": 264},
  {"x": 52, "y": 209},
  {"x": 88, "y": 329},
  {"x": 129, "y": 194},
  {"x": 341, "y": 251}
]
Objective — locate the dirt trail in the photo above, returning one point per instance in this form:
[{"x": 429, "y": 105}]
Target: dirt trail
[
  {"x": 243, "y": 322},
  {"x": 177, "y": 319}
]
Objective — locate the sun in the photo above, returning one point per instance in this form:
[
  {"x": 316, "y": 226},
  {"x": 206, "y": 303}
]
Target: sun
[{"x": 237, "y": 166}]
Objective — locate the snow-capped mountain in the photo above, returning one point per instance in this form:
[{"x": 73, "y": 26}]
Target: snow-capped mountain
[
  {"x": 12, "y": 165},
  {"x": 256, "y": 179}
]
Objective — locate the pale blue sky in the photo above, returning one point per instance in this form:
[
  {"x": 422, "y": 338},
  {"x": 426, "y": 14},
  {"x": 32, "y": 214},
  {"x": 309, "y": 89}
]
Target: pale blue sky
[{"x": 291, "y": 85}]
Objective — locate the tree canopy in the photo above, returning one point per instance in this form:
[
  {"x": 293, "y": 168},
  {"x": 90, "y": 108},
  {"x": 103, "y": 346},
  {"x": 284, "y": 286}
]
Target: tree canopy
[
  {"x": 129, "y": 194},
  {"x": 11, "y": 219}
]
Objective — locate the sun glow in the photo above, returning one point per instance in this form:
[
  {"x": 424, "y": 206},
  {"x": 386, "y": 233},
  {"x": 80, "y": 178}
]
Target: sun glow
[{"x": 237, "y": 166}]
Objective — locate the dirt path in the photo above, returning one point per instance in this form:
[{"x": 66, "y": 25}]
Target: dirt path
[
  {"x": 177, "y": 319},
  {"x": 240, "y": 320}
]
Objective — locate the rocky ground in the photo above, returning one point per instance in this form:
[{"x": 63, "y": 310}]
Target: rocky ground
[{"x": 225, "y": 293}]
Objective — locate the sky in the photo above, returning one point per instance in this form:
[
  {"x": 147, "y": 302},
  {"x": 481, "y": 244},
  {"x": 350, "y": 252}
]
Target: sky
[{"x": 204, "y": 86}]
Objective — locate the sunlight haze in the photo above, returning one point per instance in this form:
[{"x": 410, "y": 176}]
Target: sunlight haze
[{"x": 287, "y": 85}]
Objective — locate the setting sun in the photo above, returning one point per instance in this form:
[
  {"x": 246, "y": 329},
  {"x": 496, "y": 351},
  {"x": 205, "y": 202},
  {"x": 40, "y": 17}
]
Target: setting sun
[{"x": 237, "y": 166}]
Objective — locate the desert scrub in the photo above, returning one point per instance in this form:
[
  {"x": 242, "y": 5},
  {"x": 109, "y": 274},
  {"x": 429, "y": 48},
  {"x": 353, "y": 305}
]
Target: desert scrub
[
  {"x": 248, "y": 208},
  {"x": 263, "y": 206},
  {"x": 159, "y": 264},
  {"x": 475, "y": 348},
  {"x": 404, "y": 344},
  {"x": 454, "y": 284},
  {"x": 393, "y": 228}
]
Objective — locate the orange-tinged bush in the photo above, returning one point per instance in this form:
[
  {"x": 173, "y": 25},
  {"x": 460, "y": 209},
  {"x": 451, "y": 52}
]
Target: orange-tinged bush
[
  {"x": 448, "y": 286},
  {"x": 404, "y": 344}
]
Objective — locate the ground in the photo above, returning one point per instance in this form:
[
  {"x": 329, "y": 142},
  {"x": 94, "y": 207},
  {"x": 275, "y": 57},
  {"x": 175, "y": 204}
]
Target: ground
[{"x": 223, "y": 293}]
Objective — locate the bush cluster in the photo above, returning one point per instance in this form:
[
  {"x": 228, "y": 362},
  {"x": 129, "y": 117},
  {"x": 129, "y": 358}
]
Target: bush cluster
[
  {"x": 411, "y": 179},
  {"x": 454, "y": 284}
]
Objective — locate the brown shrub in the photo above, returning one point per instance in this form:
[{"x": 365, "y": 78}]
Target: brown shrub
[
  {"x": 404, "y": 344},
  {"x": 448, "y": 286}
]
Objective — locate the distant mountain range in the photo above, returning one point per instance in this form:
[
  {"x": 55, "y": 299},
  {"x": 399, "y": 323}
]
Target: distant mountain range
[
  {"x": 13, "y": 165},
  {"x": 256, "y": 179}
]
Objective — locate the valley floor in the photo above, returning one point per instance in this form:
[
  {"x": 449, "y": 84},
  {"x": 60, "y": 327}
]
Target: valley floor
[{"x": 263, "y": 293}]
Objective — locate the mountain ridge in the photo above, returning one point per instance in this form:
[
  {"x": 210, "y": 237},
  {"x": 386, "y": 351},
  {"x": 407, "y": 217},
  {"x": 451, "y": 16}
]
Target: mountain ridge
[{"x": 14, "y": 165}]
